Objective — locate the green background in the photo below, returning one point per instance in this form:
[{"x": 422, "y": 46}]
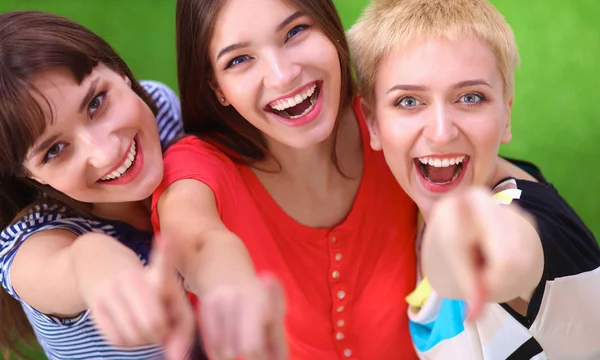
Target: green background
[{"x": 556, "y": 116}]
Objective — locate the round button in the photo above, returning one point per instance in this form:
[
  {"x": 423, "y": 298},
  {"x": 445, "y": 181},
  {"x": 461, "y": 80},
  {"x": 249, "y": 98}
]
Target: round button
[
  {"x": 341, "y": 323},
  {"x": 333, "y": 239},
  {"x": 341, "y": 294},
  {"x": 347, "y": 353},
  {"x": 339, "y": 336},
  {"x": 340, "y": 308},
  {"x": 335, "y": 274},
  {"x": 338, "y": 256}
]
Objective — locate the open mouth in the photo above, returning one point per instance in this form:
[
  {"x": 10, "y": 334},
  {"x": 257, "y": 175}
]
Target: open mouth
[
  {"x": 126, "y": 165},
  {"x": 441, "y": 171},
  {"x": 297, "y": 106}
]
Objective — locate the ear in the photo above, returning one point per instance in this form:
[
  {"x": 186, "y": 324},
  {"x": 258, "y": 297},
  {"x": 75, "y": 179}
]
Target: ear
[
  {"x": 368, "y": 112},
  {"x": 221, "y": 99},
  {"x": 127, "y": 80},
  {"x": 507, "y": 133}
]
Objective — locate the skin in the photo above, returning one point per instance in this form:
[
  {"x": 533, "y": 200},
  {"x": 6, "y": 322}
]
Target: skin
[
  {"x": 439, "y": 98},
  {"x": 273, "y": 64},
  {"x": 62, "y": 274}
]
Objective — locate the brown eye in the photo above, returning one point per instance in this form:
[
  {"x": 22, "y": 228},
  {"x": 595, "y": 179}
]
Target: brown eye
[
  {"x": 54, "y": 151},
  {"x": 96, "y": 102}
]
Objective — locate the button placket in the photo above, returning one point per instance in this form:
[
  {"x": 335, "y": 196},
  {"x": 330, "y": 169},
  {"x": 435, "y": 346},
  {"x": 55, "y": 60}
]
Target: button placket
[{"x": 339, "y": 293}]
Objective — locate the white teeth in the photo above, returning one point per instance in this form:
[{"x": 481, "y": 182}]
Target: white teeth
[
  {"x": 439, "y": 162},
  {"x": 125, "y": 166},
  {"x": 287, "y": 103}
]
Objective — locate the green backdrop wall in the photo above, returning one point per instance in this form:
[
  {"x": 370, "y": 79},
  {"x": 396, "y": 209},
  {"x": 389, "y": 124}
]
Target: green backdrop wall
[{"x": 556, "y": 117}]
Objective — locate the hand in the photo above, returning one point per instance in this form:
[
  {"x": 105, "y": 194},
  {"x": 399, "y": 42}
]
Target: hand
[
  {"x": 245, "y": 321},
  {"x": 147, "y": 306},
  {"x": 479, "y": 250}
]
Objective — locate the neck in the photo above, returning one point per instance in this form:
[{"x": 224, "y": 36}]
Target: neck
[
  {"x": 314, "y": 166},
  {"x": 135, "y": 213}
]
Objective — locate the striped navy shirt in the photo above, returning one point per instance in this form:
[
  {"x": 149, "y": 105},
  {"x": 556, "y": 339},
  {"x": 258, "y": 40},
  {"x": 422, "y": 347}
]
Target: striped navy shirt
[{"x": 77, "y": 338}]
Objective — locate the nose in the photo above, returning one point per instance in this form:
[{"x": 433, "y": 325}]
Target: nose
[
  {"x": 102, "y": 150},
  {"x": 281, "y": 71},
  {"x": 440, "y": 128}
]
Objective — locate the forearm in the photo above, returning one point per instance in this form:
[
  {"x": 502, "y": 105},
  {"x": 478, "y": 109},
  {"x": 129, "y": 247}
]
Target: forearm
[
  {"x": 220, "y": 258},
  {"x": 99, "y": 259}
]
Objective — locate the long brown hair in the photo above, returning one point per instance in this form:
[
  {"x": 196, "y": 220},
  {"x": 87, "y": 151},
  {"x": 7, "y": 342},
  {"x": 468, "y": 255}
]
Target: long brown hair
[
  {"x": 31, "y": 42},
  {"x": 202, "y": 114}
]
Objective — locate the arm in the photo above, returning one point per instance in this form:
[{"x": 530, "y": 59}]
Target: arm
[
  {"x": 477, "y": 249},
  {"x": 57, "y": 272},
  {"x": 62, "y": 275},
  {"x": 208, "y": 254},
  {"x": 240, "y": 313}
]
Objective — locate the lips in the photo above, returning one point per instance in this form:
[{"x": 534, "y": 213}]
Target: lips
[
  {"x": 128, "y": 169},
  {"x": 441, "y": 174},
  {"x": 299, "y": 108}
]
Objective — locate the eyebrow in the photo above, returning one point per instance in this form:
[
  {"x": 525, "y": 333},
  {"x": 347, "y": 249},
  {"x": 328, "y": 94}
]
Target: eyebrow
[
  {"x": 466, "y": 83},
  {"x": 231, "y": 48},
  {"x": 458, "y": 85},
  {"x": 288, "y": 20},
  {"x": 407, "y": 88},
  {"x": 89, "y": 95},
  {"x": 44, "y": 145},
  {"x": 242, "y": 45}
]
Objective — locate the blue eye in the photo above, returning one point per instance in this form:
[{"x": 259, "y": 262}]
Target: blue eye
[
  {"x": 471, "y": 98},
  {"x": 237, "y": 61},
  {"x": 295, "y": 31},
  {"x": 408, "y": 102},
  {"x": 96, "y": 102},
  {"x": 54, "y": 152}
]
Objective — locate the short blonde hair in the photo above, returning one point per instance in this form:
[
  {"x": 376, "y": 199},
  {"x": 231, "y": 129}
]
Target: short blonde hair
[{"x": 391, "y": 24}]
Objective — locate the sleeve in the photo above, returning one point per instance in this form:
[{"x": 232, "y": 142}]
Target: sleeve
[
  {"x": 564, "y": 306},
  {"x": 12, "y": 239},
  {"x": 169, "y": 111},
  {"x": 192, "y": 158}
]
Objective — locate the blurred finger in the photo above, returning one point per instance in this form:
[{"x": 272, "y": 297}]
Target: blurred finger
[
  {"x": 182, "y": 332},
  {"x": 230, "y": 313},
  {"x": 106, "y": 325},
  {"x": 210, "y": 326},
  {"x": 275, "y": 332},
  {"x": 146, "y": 311},
  {"x": 252, "y": 342},
  {"x": 162, "y": 263},
  {"x": 122, "y": 313}
]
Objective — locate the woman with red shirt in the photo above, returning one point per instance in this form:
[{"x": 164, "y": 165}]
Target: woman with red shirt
[{"x": 279, "y": 177}]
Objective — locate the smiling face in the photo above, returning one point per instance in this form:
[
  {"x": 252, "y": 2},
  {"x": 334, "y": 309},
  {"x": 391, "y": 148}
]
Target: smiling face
[
  {"x": 102, "y": 144},
  {"x": 440, "y": 114},
  {"x": 278, "y": 69}
]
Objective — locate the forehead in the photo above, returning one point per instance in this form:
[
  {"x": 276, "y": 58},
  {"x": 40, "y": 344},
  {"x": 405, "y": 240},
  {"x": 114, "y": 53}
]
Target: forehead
[
  {"x": 243, "y": 20},
  {"x": 437, "y": 62}
]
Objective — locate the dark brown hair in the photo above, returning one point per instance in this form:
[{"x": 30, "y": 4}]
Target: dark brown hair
[
  {"x": 31, "y": 42},
  {"x": 202, "y": 114}
]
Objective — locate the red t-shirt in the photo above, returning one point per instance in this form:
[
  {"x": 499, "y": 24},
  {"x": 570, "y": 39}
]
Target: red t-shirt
[{"x": 345, "y": 286}]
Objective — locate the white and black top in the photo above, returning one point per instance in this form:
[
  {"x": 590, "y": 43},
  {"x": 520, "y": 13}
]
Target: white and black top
[
  {"x": 77, "y": 338},
  {"x": 563, "y": 316}
]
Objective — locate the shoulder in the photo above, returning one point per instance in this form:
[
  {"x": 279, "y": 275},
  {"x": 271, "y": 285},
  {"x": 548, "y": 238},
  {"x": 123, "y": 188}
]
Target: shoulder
[
  {"x": 194, "y": 158},
  {"x": 43, "y": 217},
  {"x": 169, "y": 110}
]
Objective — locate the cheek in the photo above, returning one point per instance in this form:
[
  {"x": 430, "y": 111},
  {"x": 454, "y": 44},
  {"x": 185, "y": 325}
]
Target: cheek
[{"x": 395, "y": 135}]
